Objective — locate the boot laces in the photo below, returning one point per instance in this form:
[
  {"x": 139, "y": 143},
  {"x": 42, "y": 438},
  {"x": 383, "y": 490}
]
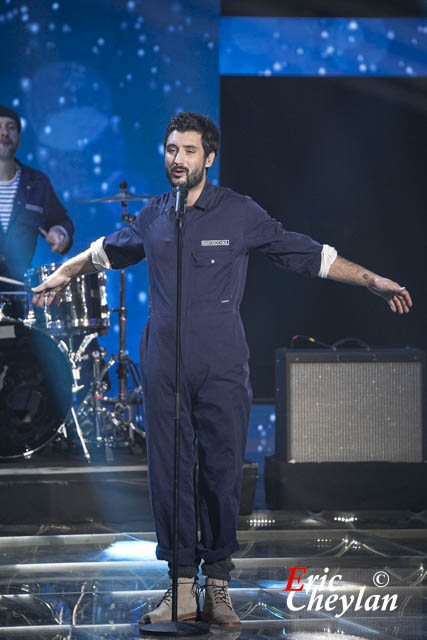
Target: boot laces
[
  {"x": 167, "y": 596},
  {"x": 221, "y": 595}
]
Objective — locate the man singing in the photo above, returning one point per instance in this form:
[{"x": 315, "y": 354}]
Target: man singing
[{"x": 220, "y": 229}]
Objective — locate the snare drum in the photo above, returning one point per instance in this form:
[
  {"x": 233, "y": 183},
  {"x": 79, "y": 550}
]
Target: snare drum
[
  {"x": 83, "y": 308},
  {"x": 35, "y": 388}
]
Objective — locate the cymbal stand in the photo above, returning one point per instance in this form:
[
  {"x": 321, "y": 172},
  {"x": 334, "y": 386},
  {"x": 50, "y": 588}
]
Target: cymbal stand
[{"x": 123, "y": 404}]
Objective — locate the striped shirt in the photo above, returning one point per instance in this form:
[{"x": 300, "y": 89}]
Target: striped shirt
[{"x": 8, "y": 190}]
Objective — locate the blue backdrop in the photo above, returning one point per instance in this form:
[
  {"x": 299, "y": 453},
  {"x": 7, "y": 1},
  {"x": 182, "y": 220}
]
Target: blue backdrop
[{"x": 96, "y": 83}]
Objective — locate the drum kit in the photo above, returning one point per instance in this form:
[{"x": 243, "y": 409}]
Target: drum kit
[{"x": 54, "y": 375}]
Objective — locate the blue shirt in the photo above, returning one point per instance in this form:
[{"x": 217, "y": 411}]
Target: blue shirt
[
  {"x": 35, "y": 205},
  {"x": 219, "y": 231}
]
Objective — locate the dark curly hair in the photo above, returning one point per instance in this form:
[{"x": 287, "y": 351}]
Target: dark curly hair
[{"x": 195, "y": 122}]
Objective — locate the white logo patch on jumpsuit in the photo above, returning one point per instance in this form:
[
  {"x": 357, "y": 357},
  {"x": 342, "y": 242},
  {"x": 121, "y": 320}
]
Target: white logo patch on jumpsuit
[{"x": 215, "y": 243}]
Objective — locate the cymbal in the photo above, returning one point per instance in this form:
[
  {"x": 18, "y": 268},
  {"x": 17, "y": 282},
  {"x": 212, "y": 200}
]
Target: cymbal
[{"x": 122, "y": 196}]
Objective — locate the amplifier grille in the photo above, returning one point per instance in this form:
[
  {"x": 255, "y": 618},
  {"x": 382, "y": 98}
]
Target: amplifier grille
[{"x": 354, "y": 411}]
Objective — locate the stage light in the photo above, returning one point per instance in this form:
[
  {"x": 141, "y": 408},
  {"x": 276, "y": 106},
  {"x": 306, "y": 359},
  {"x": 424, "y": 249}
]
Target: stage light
[{"x": 131, "y": 550}]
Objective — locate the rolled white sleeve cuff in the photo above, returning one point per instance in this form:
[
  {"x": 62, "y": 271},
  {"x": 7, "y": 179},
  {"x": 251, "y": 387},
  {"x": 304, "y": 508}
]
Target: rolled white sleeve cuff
[
  {"x": 98, "y": 256},
  {"x": 328, "y": 256}
]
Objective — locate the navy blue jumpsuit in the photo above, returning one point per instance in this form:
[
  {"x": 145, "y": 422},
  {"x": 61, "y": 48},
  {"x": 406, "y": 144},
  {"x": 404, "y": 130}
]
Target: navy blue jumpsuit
[{"x": 219, "y": 231}]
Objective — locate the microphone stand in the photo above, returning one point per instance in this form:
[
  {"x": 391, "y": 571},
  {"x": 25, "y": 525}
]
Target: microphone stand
[{"x": 175, "y": 628}]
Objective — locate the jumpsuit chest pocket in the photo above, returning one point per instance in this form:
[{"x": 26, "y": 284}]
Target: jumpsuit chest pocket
[
  {"x": 212, "y": 271},
  {"x": 32, "y": 215}
]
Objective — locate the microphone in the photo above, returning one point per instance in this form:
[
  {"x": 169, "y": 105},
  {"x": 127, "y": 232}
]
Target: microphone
[{"x": 180, "y": 192}]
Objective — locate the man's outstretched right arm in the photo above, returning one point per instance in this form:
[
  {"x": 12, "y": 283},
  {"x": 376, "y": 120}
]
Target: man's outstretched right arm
[{"x": 53, "y": 287}]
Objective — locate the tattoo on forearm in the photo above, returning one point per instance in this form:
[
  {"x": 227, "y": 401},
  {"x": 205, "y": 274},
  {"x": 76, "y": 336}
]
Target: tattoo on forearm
[{"x": 346, "y": 271}]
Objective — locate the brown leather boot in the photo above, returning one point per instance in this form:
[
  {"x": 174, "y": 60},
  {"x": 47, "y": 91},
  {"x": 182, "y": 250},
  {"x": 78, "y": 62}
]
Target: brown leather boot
[
  {"x": 217, "y": 607},
  {"x": 187, "y": 604}
]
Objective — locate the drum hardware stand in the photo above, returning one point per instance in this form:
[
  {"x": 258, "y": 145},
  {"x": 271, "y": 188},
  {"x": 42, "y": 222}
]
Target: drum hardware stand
[
  {"x": 75, "y": 359},
  {"x": 123, "y": 404},
  {"x": 94, "y": 400}
]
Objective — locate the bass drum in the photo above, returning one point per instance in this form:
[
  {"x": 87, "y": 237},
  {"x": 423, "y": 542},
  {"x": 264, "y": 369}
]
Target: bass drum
[{"x": 35, "y": 389}]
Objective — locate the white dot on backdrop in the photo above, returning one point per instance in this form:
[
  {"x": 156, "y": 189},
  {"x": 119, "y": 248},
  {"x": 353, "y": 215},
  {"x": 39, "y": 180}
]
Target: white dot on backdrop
[
  {"x": 61, "y": 100},
  {"x": 104, "y": 186},
  {"x": 47, "y": 129},
  {"x": 160, "y": 149},
  {"x": 55, "y": 6},
  {"x": 142, "y": 297},
  {"x": 390, "y": 35},
  {"x": 97, "y": 158},
  {"x": 260, "y": 427},
  {"x": 321, "y": 71},
  {"x": 353, "y": 25},
  {"x": 15, "y": 102},
  {"x": 363, "y": 68},
  {"x": 277, "y": 66},
  {"x": 116, "y": 328},
  {"x": 324, "y": 34},
  {"x": 272, "y": 417},
  {"x": 300, "y": 51},
  {"x": 141, "y": 52}
]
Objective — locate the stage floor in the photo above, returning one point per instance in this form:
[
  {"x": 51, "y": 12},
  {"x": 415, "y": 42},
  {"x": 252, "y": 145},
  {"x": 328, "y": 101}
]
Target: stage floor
[{"x": 97, "y": 585}]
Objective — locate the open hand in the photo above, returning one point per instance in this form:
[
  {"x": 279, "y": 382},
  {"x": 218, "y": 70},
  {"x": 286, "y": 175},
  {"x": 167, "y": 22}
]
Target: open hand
[
  {"x": 398, "y": 297},
  {"x": 51, "y": 289}
]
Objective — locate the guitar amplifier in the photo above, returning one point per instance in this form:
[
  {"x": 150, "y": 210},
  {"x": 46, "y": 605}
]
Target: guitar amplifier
[{"x": 351, "y": 405}]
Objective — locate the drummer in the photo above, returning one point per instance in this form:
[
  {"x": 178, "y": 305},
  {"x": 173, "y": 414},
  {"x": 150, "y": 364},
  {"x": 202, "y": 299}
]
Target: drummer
[{"x": 29, "y": 206}]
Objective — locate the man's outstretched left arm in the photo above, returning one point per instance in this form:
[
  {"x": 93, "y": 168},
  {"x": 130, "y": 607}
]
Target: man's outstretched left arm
[{"x": 397, "y": 297}]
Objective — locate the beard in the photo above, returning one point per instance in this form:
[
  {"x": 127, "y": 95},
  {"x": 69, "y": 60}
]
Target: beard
[
  {"x": 7, "y": 150},
  {"x": 191, "y": 180}
]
